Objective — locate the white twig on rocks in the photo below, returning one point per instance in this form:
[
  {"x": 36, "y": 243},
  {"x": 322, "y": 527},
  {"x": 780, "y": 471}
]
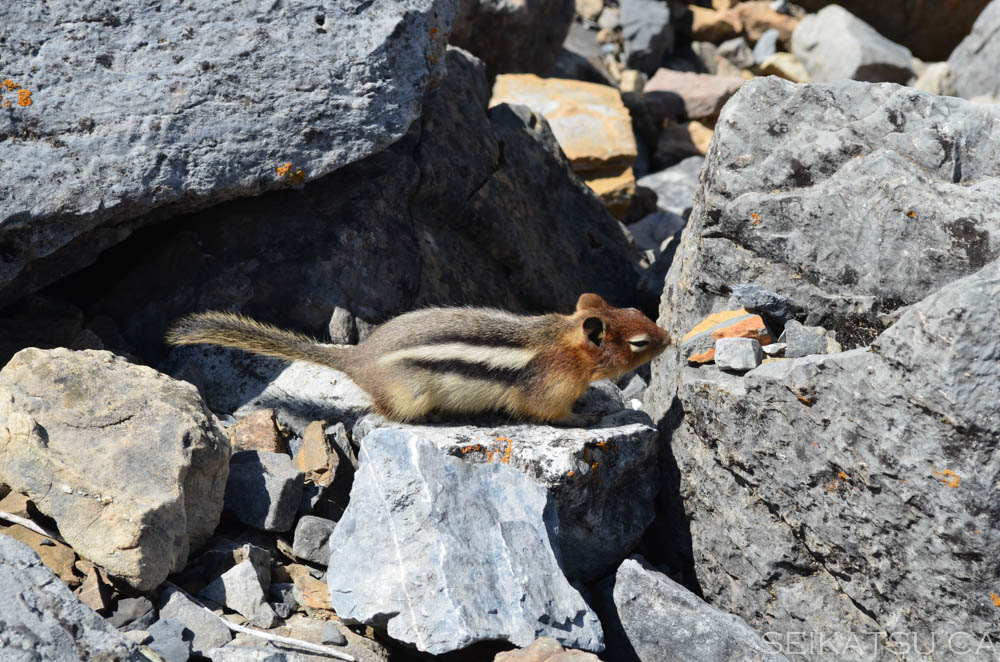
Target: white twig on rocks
[
  {"x": 28, "y": 524},
  {"x": 278, "y": 639}
]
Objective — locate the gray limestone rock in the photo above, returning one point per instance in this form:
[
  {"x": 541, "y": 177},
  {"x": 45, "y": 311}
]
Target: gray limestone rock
[
  {"x": 311, "y": 536},
  {"x": 252, "y": 654},
  {"x": 209, "y": 632},
  {"x": 675, "y": 186},
  {"x": 738, "y": 354},
  {"x": 974, "y": 62},
  {"x": 443, "y": 552},
  {"x": 603, "y": 478},
  {"x": 647, "y": 33},
  {"x": 852, "y": 200},
  {"x": 129, "y": 462},
  {"x": 133, "y": 614},
  {"x": 830, "y": 493},
  {"x": 189, "y": 105},
  {"x": 836, "y": 45},
  {"x": 42, "y": 620},
  {"x": 737, "y": 51},
  {"x": 264, "y": 490},
  {"x": 773, "y": 307},
  {"x": 333, "y": 635},
  {"x": 652, "y": 231},
  {"x": 243, "y": 588},
  {"x": 766, "y": 46},
  {"x": 662, "y": 620},
  {"x": 281, "y": 595},
  {"x": 802, "y": 340},
  {"x": 171, "y": 640},
  {"x": 513, "y": 37}
]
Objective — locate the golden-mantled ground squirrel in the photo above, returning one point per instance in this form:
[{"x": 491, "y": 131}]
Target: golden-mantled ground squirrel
[{"x": 462, "y": 360}]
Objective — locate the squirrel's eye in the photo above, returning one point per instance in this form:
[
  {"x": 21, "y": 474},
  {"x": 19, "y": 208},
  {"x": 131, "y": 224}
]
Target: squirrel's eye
[{"x": 638, "y": 343}]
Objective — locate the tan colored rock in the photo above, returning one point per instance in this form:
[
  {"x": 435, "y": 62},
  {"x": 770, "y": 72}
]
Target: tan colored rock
[
  {"x": 784, "y": 65},
  {"x": 317, "y": 459},
  {"x": 257, "y": 432},
  {"x": 129, "y": 462},
  {"x": 698, "y": 344},
  {"x": 589, "y": 9},
  {"x": 545, "y": 650},
  {"x": 312, "y": 594},
  {"x": 15, "y": 503},
  {"x": 711, "y": 25},
  {"x": 616, "y": 189},
  {"x": 684, "y": 94},
  {"x": 723, "y": 5},
  {"x": 590, "y": 121},
  {"x": 94, "y": 592},
  {"x": 59, "y": 558},
  {"x": 756, "y": 17},
  {"x": 591, "y": 124},
  {"x": 681, "y": 140}
]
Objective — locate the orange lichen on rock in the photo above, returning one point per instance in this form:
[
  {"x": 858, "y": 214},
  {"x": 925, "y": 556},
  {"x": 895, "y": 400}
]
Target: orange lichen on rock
[
  {"x": 285, "y": 172},
  {"x": 24, "y": 97},
  {"x": 948, "y": 477},
  {"x": 843, "y": 476},
  {"x": 996, "y": 599},
  {"x": 699, "y": 342}
]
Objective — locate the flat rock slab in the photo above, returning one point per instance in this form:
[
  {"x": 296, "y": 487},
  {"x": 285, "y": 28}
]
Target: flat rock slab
[
  {"x": 42, "y": 620},
  {"x": 139, "y": 107},
  {"x": 129, "y": 462},
  {"x": 682, "y": 94},
  {"x": 444, "y": 553},
  {"x": 590, "y": 121},
  {"x": 603, "y": 478}
]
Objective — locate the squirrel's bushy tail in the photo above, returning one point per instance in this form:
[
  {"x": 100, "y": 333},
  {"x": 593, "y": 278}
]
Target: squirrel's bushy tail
[{"x": 232, "y": 330}]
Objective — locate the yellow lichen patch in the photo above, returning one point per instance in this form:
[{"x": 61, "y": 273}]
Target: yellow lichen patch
[
  {"x": 24, "y": 98},
  {"x": 23, "y": 95},
  {"x": 285, "y": 172},
  {"x": 948, "y": 477}
]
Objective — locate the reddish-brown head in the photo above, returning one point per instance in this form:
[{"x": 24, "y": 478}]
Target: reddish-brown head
[{"x": 616, "y": 340}]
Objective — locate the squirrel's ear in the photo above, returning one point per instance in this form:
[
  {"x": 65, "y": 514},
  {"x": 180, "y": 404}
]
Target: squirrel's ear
[
  {"x": 590, "y": 301},
  {"x": 593, "y": 330}
]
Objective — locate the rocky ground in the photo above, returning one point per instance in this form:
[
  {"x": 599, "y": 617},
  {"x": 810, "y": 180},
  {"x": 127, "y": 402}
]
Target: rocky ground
[{"x": 806, "y": 196}]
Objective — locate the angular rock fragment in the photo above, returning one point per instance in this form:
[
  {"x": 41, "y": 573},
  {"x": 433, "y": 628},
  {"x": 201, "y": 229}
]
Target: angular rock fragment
[
  {"x": 171, "y": 640},
  {"x": 738, "y": 354},
  {"x": 127, "y": 461},
  {"x": 675, "y": 186},
  {"x": 974, "y": 61},
  {"x": 835, "y": 45},
  {"x": 770, "y": 305},
  {"x": 311, "y": 536},
  {"x": 133, "y": 614},
  {"x": 802, "y": 340},
  {"x": 602, "y": 478},
  {"x": 662, "y": 620},
  {"x": 257, "y": 432},
  {"x": 679, "y": 94},
  {"x": 207, "y": 630},
  {"x": 647, "y": 33},
  {"x": 784, "y": 65},
  {"x": 415, "y": 564},
  {"x": 42, "y": 620},
  {"x": 243, "y": 588},
  {"x": 264, "y": 490},
  {"x": 698, "y": 344}
]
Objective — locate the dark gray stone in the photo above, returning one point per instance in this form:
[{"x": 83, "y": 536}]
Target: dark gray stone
[
  {"x": 171, "y": 640},
  {"x": 766, "y": 46},
  {"x": 675, "y": 186},
  {"x": 133, "y": 614},
  {"x": 243, "y": 588},
  {"x": 580, "y": 58},
  {"x": 976, "y": 60},
  {"x": 433, "y": 547},
  {"x": 803, "y": 340},
  {"x": 513, "y": 37},
  {"x": 647, "y": 33},
  {"x": 738, "y": 354},
  {"x": 264, "y": 490},
  {"x": 194, "y": 80},
  {"x": 773, "y": 307},
  {"x": 867, "y": 199},
  {"x": 835, "y": 45},
  {"x": 857, "y": 484},
  {"x": 42, "y": 620},
  {"x": 650, "y": 232},
  {"x": 207, "y": 630},
  {"x": 282, "y": 598},
  {"x": 662, "y": 620},
  {"x": 311, "y": 536},
  {"x": 332, "y": 635}
]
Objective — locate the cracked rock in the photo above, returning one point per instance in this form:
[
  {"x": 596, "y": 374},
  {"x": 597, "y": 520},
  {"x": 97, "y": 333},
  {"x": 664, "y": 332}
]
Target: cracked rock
[
  {"x": 129, "y": 462},
  {"x": 409, "y": 553}
]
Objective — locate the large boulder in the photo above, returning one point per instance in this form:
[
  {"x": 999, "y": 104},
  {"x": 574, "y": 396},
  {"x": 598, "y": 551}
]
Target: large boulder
[
  {"x": 929, "y": 28},
  {"x": 975, "y": 61},
  {"x": 603, "y": 478},
  {"x": 42, "y": 620},
  {"x": 829, "y": 494},
  {"x": 129, "y": 462},
  {"x": 851, "y": 200},
  {"x": 187, "y": 106},
  {"x": 444, "y": 553},
  {"x": 513, "y": 36},
  {"x": 470, "y": 208},
  {"x": 654, "y": 618},
  {"x": 836, "y": 45}
]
